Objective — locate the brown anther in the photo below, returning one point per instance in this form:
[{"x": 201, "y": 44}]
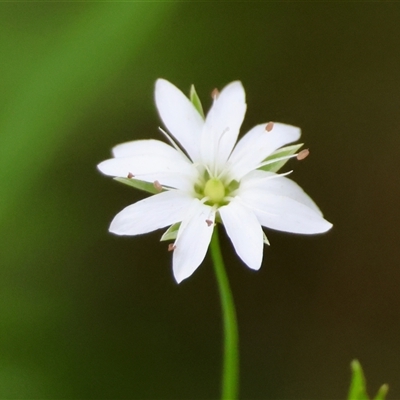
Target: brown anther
[
  {"x": 269, "y": 126},
  {"x": 171, "y": 247},
  {"x": 303, "y": 154},
  {"x": 215, "y": 94},
  {"x": 130, "y": 175},
  {"x": 158, "y": 186},
  {"x": 209, "y": 222}
]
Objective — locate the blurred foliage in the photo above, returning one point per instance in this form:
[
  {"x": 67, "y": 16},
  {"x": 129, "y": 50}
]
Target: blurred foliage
[
  {"x": 57, "y": 60},
  {"x": 66, "y": 70},
  {"x": 358, "y": 390}
]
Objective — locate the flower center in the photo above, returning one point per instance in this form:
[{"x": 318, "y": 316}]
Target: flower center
[{"x": 214, "y": 190}]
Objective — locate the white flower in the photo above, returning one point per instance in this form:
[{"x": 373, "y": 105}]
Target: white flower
[{"x": 210, "y": 178}]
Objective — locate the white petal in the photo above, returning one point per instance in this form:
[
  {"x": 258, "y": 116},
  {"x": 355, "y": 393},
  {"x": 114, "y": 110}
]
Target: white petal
[
  {"x": 222, "y": 124},
  {"x": 283, "y": 213},
  {"x": 245, "y": 232},
  {"x": 258, "y": 144},
  {"x": 145, "y": 147},
  {"x": 179, "y": 116},
  {"x": 148, "y": 148},
  {"x": 152, "y": 213},
  {"x": 275, "y": 184},
  {"x": 193, "y": 239},
  {"x": 151, "y": 160},
  {"x": 149, "y": 170}
]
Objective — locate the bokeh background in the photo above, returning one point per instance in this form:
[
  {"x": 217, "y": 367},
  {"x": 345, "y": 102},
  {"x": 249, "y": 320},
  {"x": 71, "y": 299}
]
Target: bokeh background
[{"x": 88, "y": 315}]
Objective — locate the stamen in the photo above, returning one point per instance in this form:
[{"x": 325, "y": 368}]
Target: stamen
[
  {"x": 171, "y": 247},
  {"x": 211, "y": 214},
  {"x": 215, "y": 94},
  {"x": 208, "y": 170},
  {"x": 269, "y": 126},
  {"x": 130, "y": 175},
  {"x": 224, "y": 173},
  {"x": 234, "y": 193},
  {"x": 169, "y": 138},
  {"x": 223, "y": 132},
  {"x": 220, "y": 138},
  {"x": 275, "y": 176},
  {"x": 157, "y": 186},
  {"x": 204, "y": 199},
  {"x": 303, "y": 154}
]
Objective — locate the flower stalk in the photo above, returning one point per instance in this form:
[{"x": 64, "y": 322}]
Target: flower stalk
[{"x": 230, "y": 368}]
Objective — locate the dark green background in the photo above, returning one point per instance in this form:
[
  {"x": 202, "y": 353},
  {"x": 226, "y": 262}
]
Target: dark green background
[{"x": 88, "y": 315}]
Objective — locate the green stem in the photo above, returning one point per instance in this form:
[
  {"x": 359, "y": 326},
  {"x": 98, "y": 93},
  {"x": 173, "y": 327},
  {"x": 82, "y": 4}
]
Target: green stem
[{"x": 230, "y": 369}]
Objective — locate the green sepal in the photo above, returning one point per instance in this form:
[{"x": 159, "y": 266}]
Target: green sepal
[
  {"x": 358, "y": 387},
  {"x": 233, "y": 185},
  {"x": 194, "y": 98},
  {"x": 282, "y": 152},
  {"x": 138, "y": 184},
  {"x": 265, "y": 239},
  {"x": 171, "y": 232}
]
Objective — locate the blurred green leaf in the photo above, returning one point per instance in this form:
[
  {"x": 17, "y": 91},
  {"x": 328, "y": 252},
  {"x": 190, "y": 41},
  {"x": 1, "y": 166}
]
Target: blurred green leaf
[
  {"x": 278, "y": 154},
  {"x": 63, "y": 78},
  {"x": 194, "y": 98},
  {"x": 358, "y": 389},
  {"x": 382, "y": 392},
  {"x": 58, "y": 63}
]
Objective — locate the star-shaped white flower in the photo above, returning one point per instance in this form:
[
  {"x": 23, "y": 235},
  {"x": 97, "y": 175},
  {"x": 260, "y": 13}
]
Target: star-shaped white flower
[{"x": 210, "y": 178}]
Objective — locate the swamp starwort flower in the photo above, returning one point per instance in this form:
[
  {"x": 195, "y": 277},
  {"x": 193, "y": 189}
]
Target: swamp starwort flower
[{"x": 205, "y": 177}]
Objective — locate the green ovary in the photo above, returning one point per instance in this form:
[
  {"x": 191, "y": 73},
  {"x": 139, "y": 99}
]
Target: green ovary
[{"x": 214, "y": 190}]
